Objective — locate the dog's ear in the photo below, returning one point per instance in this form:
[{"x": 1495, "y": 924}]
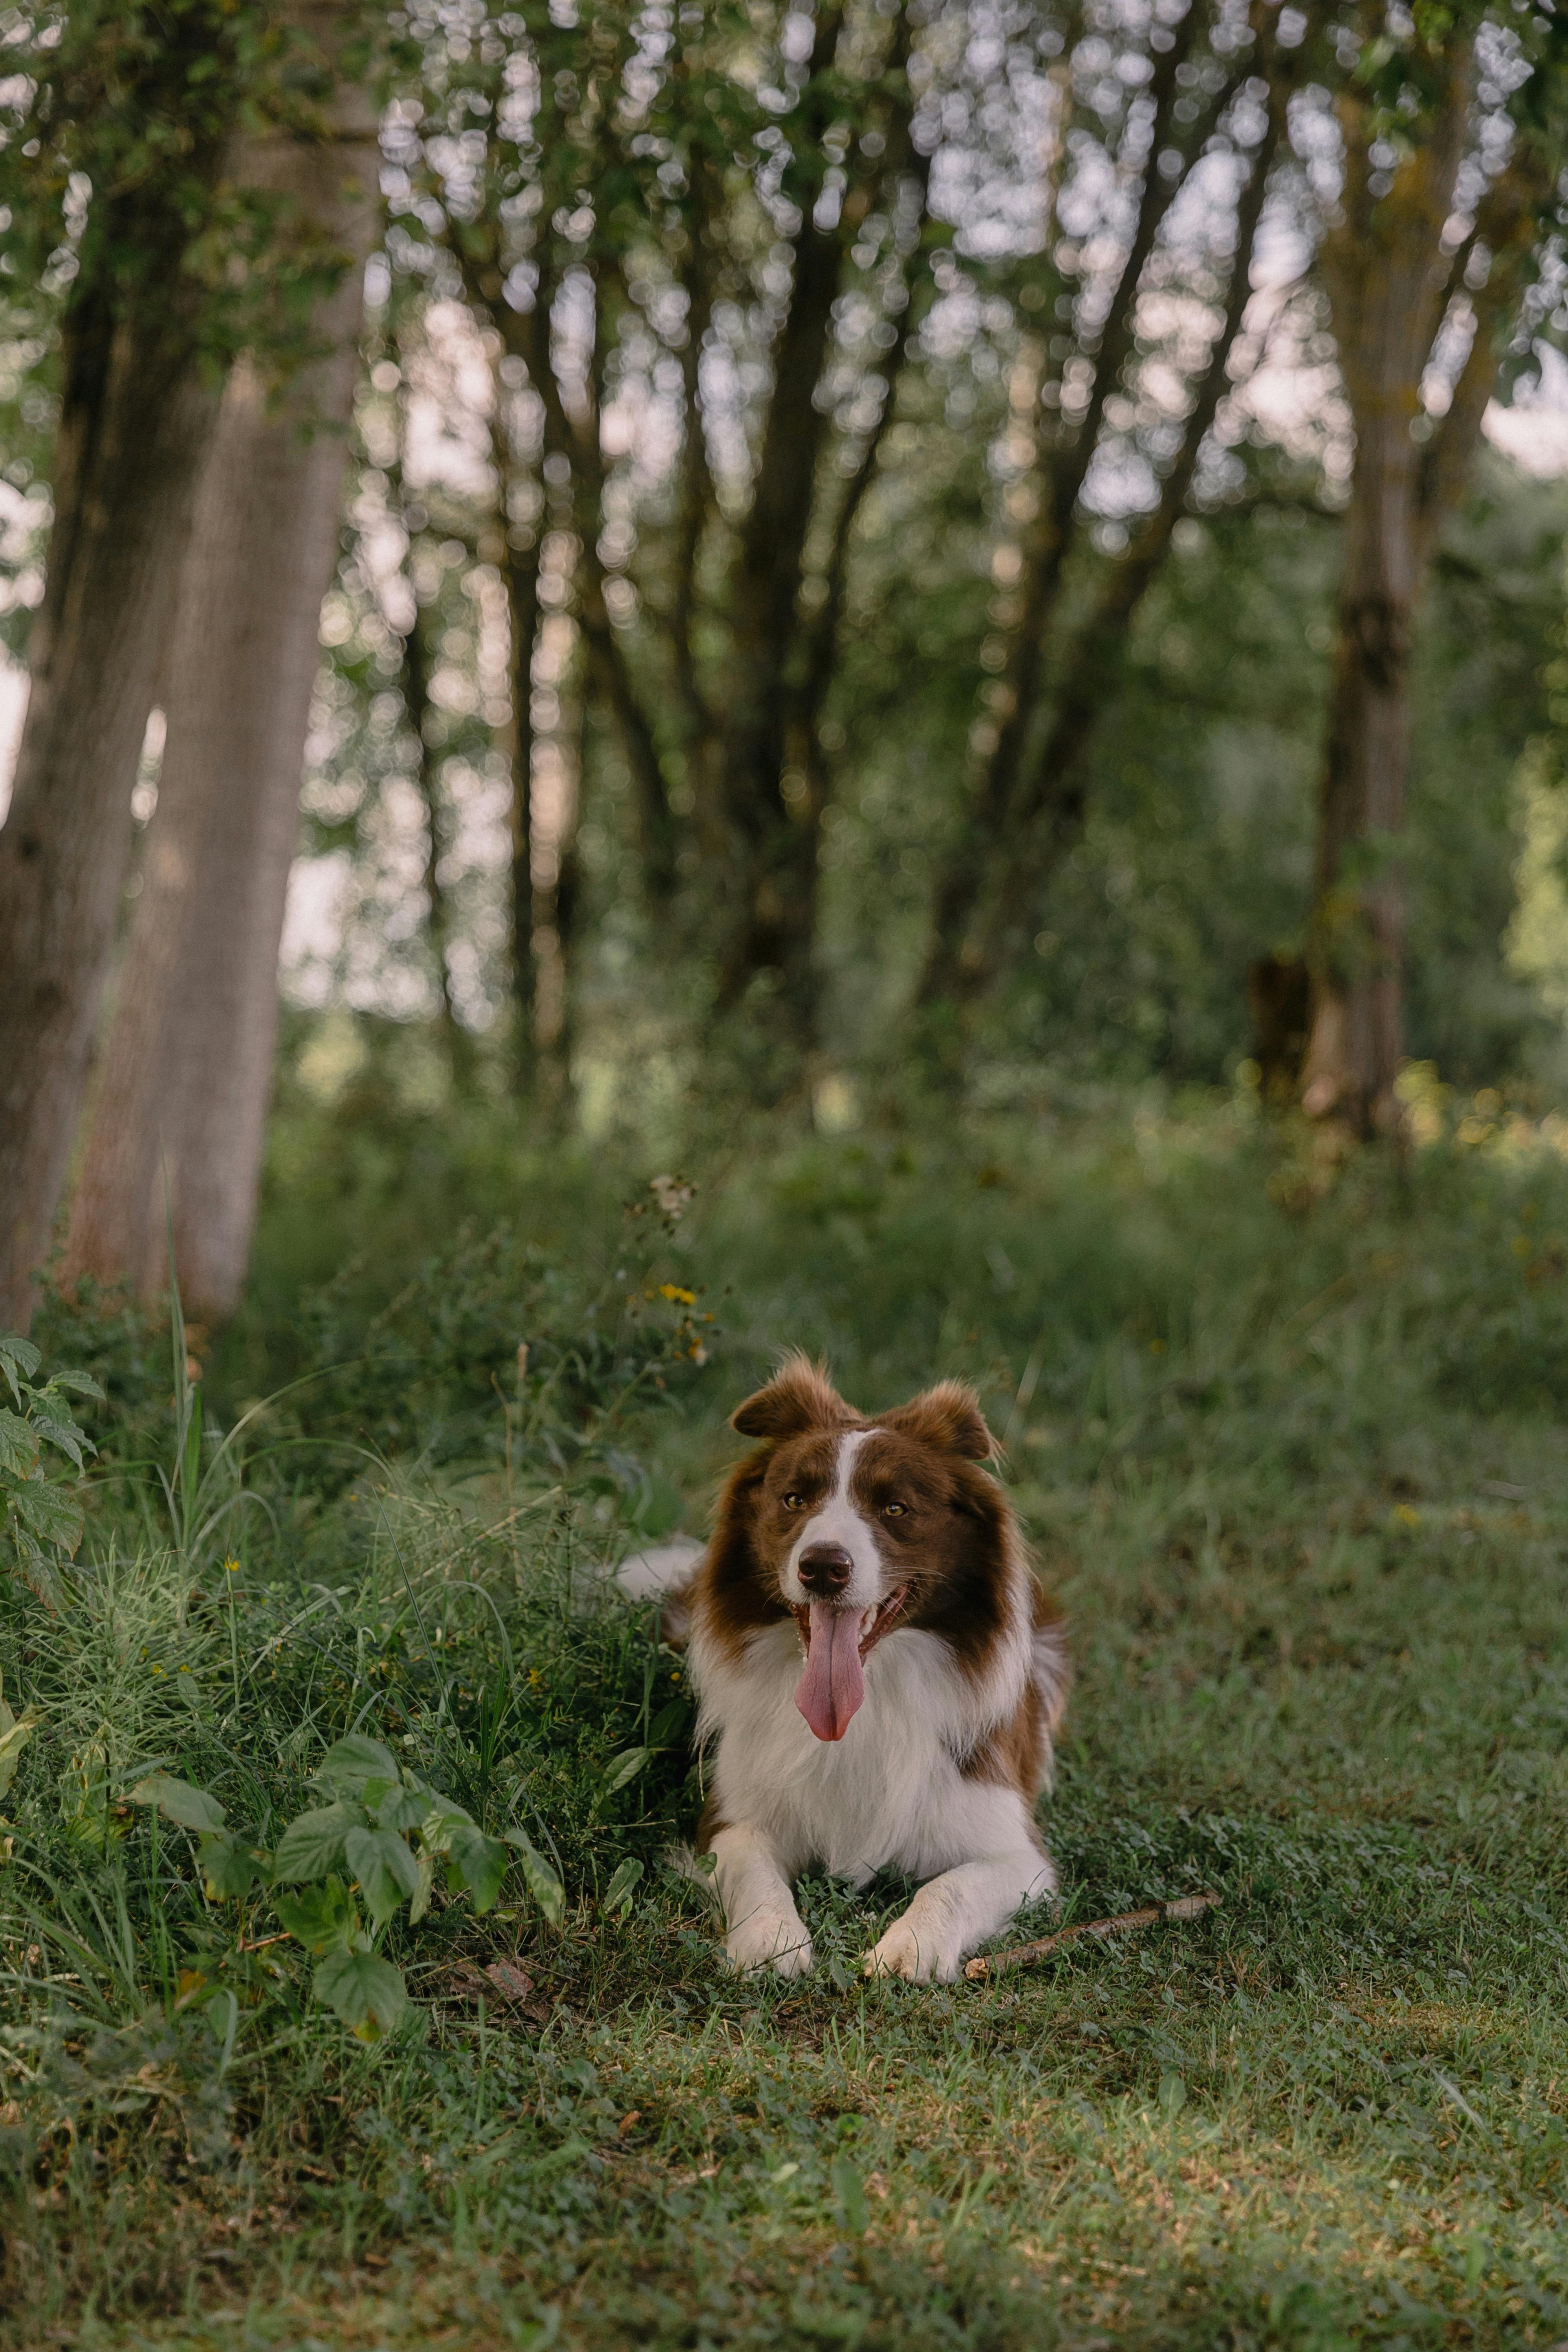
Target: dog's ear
[
  {"x": 799, "y": 1396},
  {"x": 950, "y": 1418}
]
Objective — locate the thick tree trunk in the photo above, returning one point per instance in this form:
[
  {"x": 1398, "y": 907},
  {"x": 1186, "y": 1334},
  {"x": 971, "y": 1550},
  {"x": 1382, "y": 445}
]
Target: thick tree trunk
[
  {"x": 1389, "y": 284},
  {"x": 188, "y": 1069},
  {"x": 1355, "y": 1042},
  {"x": 135, "y": 415}
]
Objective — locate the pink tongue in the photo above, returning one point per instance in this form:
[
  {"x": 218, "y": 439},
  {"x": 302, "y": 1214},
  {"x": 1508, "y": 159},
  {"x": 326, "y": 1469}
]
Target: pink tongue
[{"x": 834, "y": 1683}]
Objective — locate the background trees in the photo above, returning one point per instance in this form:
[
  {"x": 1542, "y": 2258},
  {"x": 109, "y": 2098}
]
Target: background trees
[
  {"x": 154, "y": 107},
  {"x": 135, "y": 172},
  {"x": 841, "y": 515},
  {"x": 1433, "y": 249},
  {"x": 174, "y": 1140}
]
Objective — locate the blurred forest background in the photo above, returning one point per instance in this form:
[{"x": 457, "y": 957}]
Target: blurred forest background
[{"x": 681, "y": 556}]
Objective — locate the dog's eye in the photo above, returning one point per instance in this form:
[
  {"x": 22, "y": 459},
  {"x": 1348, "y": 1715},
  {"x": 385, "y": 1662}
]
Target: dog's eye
[
  {"x": 792, "y": 1502},
  {"x": 894, "y": 1511}
]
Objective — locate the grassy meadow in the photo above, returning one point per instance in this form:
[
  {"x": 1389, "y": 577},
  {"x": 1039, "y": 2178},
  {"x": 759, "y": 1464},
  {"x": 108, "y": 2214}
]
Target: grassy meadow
[{"x": 1290, "y": 1446}]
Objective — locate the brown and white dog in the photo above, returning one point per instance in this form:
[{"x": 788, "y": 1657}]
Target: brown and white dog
[{"x": 879, "y": 1671}]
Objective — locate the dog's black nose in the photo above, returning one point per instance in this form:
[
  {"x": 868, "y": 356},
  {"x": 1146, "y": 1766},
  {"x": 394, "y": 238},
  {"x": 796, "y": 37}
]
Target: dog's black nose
[{"x": 826, "y": 1567}]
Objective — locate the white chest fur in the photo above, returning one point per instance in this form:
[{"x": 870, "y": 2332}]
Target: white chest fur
[{"x": 889, "y": 1794}]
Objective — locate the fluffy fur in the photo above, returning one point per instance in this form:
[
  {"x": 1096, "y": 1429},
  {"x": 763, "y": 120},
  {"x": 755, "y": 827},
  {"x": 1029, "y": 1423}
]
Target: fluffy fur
[{"x": 879, "y": 1673}]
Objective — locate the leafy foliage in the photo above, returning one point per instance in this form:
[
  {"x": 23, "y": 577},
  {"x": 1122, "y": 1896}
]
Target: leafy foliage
[
  {"x": 41, "y": 1516},
  {"x": 391, "y": 1832},
  {"x": 118, "y": 171}
]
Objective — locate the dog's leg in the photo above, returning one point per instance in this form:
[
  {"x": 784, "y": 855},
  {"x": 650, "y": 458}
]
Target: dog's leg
[
  {"x": 765, "y": 1930},
  {"x": 953, "y": 1914}
]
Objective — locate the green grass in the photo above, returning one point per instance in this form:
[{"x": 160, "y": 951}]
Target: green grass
[{"x": 1295, "y": 1460}]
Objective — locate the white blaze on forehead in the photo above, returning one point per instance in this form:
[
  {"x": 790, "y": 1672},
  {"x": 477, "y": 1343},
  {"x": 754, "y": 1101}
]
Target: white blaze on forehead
[{"x": 836, "y": 1521}]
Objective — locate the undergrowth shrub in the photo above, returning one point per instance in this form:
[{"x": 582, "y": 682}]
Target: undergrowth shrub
[
  {"x": 123, "y": 1343},
  {"x": 40, "y": 1517},
  {"x": 229, "y": 1634},
  {"x": 495, "y": 1353}
]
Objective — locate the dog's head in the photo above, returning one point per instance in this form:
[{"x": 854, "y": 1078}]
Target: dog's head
[{"x": 857, "y": 1528}]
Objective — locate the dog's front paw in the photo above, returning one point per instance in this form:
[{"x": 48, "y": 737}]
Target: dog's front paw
[
  {"x": 769, "y": 1940},
  {"x": 914, "y": 1949}
]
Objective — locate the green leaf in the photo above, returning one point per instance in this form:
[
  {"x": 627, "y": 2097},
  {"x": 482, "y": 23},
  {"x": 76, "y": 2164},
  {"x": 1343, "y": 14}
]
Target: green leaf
[
  {"x": 79, "y": 1384},
  {"x": 229, "y": 1867},
  {"x": 669, "y": 1723},
  {"x": 476, "y": 1862},
  {"x": 367, "y": 1993},
  {"x": 385, "y": 1869},
  {"x": 13, "y": 1739},
  {"x": 618, "y": 1894},
  {"x": 347, "y": 1767},
  {"x": 323, "y": 1918},
  {"x": 18, "y": 1445},
  {"x": 313, "y": 1845},
  {"x": 440, "y": 1820},
  {"x": 543, "y": 1883},
  {"x": 441, "y": 1823},
  {"x": 65, "y": 1434},
  {"x": 422, "y": 1892},
  {"x": 190, "y": 1809},
  {"x": 18, "y": 1355},
  {"x": 48, "y": 1513},
  {"x": 403, "y": 1809},
  {"x": 624, "y": 1767}
]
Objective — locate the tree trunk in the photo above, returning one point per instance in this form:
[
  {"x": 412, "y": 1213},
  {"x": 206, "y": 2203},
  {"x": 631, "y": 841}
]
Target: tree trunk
[
  {"x": 520, "y": 566},
  {"x": 1355, "y": 1042},
  {"x": 560, "y": 899},
  {"x": 1388, "y": 280},
  {"x": 455, "y": 1038},
  {"x": 189, "y": 1063},
  {"x": 768, "y": 774},
  {"x": 135, "y": 415}
]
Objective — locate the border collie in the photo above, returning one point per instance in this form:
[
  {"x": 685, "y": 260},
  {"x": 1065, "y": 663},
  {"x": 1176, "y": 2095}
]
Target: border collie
[{"x": 879, "y": 1673}]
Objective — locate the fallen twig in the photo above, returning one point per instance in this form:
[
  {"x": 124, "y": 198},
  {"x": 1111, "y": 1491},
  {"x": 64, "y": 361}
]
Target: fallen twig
[{"x": 1021, "y": 1956}]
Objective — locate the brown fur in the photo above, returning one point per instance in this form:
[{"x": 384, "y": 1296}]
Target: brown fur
[
  {"x": 953, "y": 1545},
  {"x": 1020, "y": 1751}
]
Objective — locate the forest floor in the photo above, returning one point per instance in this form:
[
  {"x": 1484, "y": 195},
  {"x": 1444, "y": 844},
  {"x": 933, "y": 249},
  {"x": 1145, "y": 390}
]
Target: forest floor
[{"x": 1292, "y": 1454}]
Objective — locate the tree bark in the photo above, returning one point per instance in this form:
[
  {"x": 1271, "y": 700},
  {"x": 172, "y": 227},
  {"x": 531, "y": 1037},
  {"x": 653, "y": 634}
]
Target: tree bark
[
  {"x": 1388, "y": 283},
  {"x": 520, "y": 572},
  {"x": 771, "y": 783},
  {"x": 135, "y": 415},
  {"x": 437, "y": 913},
  {"x": 415, "y": 689},
  {"x": 188, "y": 1069}
]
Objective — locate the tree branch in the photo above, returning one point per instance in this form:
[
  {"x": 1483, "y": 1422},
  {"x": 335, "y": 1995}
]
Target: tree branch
[
  {"x": 1048, "y": 543},
  {"x": 823, "y": 631},
  {"x": 1506, "y": 224},
  {"x": 1052, "y": 793}
]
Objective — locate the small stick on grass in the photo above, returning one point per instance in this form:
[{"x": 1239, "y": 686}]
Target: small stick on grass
[{"x": 1022, "y": 1956}]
